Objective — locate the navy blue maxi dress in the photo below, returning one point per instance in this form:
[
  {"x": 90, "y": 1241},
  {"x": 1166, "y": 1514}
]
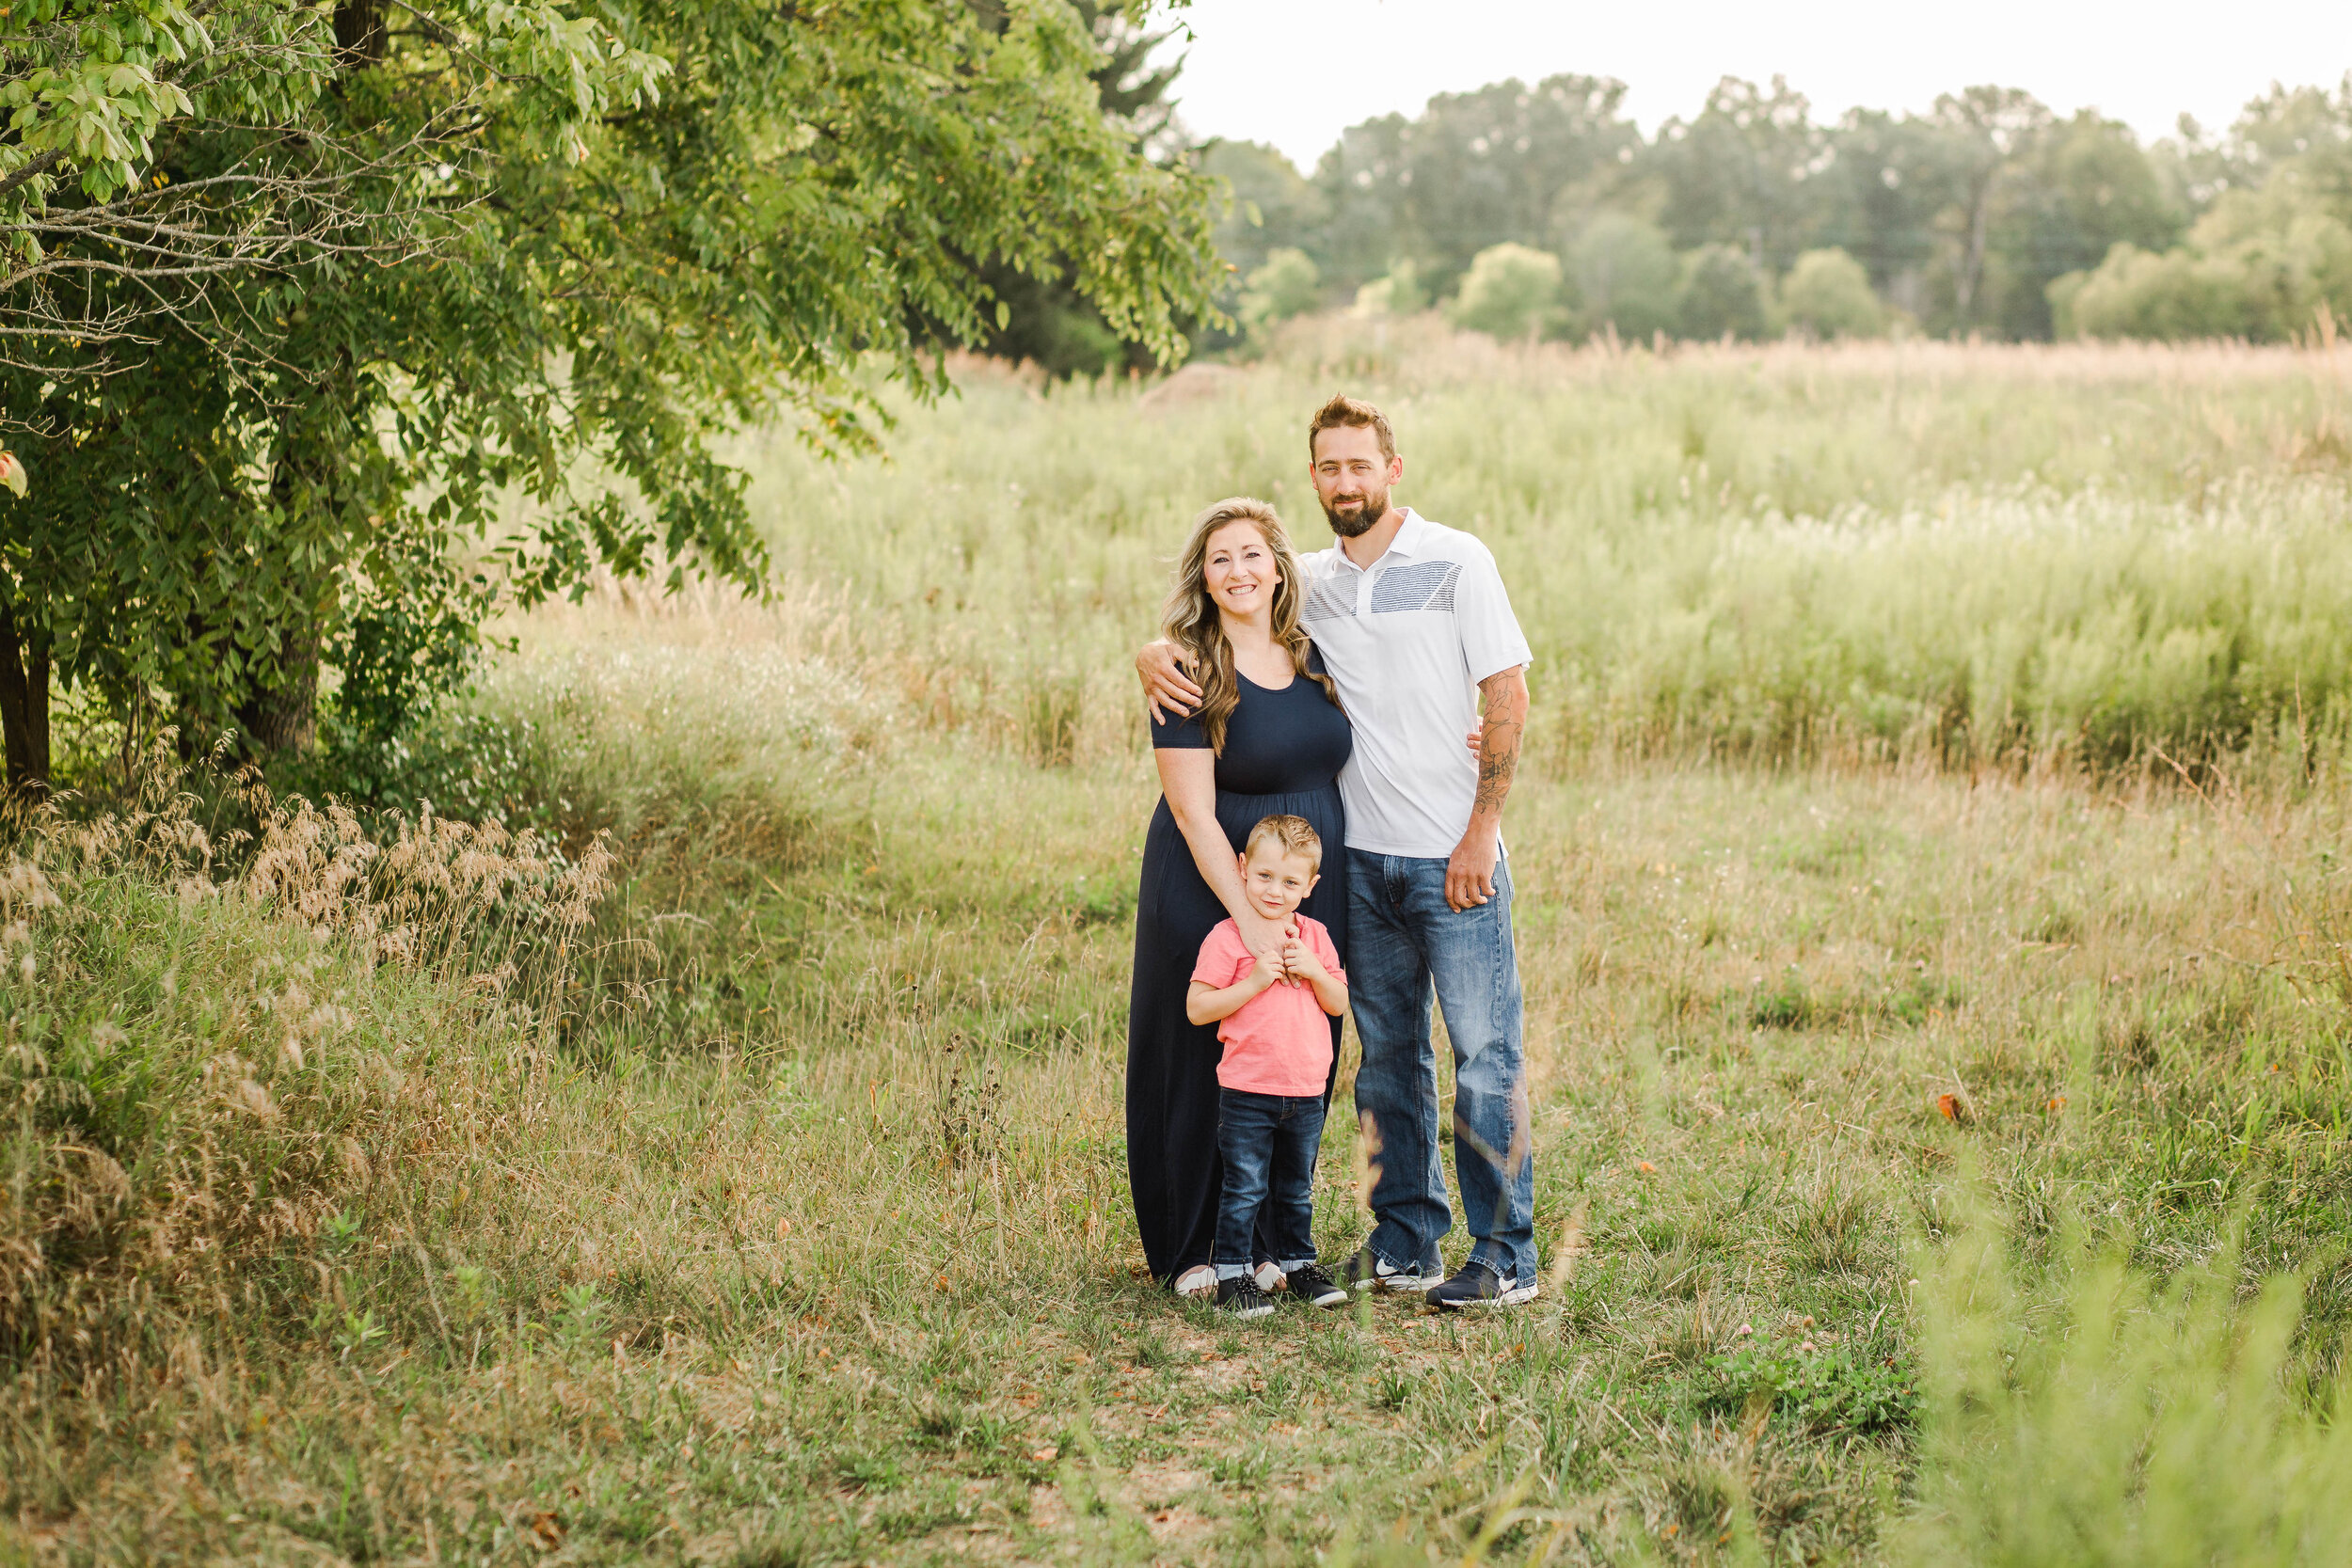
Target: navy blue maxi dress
[{"x": 1283, "y": 751}]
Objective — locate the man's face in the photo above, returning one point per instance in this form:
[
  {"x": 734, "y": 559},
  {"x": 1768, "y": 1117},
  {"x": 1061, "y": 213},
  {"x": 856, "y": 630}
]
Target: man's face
[{"x": 1352, "y": 479}]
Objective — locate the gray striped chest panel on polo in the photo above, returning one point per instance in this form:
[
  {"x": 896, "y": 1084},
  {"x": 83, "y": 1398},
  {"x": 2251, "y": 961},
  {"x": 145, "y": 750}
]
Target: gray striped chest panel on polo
[{"x": 1421, "y": 585}]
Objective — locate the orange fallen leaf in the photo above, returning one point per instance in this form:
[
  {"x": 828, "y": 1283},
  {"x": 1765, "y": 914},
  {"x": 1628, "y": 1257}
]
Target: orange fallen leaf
[
  {"x": 1045, "y": 1455},
  {"x": 2057, "y": 1102},
  {"x": 1647, "y": 1168},
  {"x": 1954, "y": 1108}
]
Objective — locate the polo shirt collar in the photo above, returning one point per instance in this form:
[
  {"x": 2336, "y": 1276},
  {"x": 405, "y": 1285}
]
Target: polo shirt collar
[{"x": 1410, "y": 540}]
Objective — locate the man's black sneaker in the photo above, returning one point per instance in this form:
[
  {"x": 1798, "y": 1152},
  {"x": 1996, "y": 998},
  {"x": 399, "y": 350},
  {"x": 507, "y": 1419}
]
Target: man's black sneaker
[
  {"x": 1368, "y": 1271},
  {"x": 1474, "y": 1284},
  {"x": 1315, "y": 1288},
  {"x": 1240, "y": 1298}
]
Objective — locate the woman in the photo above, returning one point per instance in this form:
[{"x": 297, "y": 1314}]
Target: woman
[{"x": 1268, "y": 739}]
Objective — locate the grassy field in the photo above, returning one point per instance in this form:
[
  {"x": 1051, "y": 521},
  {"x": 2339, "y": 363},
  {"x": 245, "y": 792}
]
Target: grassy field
[{"x": 1933, "y": 909}]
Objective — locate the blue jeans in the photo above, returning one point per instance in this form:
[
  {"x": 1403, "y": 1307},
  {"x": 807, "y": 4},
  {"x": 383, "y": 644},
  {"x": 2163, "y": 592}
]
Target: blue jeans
[
  {"x": 1401, "y": 938},
  {"x": 1269, "y": 1141}
]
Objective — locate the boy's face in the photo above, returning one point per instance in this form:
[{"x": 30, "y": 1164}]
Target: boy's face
[{"x": 1274, "y": 880}]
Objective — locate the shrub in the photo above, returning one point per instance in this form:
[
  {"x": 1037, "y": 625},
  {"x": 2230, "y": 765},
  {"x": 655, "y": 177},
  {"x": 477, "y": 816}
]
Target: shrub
[
  {"x": 1625, "y": 276},
  {"x": 1827, "y": 294},
  {"x": 1511, "y": 290},
  {"x": 2261, "y": 265},
  {"x": 1288, "y": 285},
  {"x": 1400, "y": 293},
  {"x": 1722, "y": 294}
]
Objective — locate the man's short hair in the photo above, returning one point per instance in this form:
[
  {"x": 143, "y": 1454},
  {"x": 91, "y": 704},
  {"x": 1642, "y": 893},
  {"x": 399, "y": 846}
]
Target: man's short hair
[
  {"x": 1356, "y": 415},
  {"x": 1296, "y": 834}
]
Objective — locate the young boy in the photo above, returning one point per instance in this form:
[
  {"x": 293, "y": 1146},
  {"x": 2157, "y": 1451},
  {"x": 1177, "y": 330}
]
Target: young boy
[{"x": 1272, "y": 1013}]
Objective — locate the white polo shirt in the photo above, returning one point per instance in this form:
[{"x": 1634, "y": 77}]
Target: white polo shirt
[{"x": 1406, "y": 641}]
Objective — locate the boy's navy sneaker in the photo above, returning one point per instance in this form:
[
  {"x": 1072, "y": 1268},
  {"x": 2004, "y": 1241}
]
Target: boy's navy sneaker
[
  {"x": 1368, "y": 1271},
  {"x": 1240, "y": 1298},
  {"x": 1316, "y": 1288},
  {"x": 1476, "y": 1283}
]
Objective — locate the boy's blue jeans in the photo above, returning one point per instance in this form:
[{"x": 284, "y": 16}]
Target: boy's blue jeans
[
  {"x": 1402, "y": 938},
  {"x": 1269, "y": 1143}
]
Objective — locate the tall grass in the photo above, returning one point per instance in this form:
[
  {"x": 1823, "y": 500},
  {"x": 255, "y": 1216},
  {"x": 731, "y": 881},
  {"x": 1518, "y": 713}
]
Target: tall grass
[
  {"x": 204, "y": 1064},
  {"x": 2129, "y": 1420},
  {"x": 1977, "y": 554}
]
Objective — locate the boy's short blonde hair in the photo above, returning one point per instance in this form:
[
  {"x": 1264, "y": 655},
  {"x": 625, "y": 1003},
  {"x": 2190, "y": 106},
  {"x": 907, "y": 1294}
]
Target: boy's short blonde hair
[{"x": 1294, "y": 833}]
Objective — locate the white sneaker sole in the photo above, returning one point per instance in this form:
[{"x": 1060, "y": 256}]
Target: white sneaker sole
[
  {"x": 1242, "y": 1314},
  {"x": 1402, "y": 1282},
  {"x": 1336, "y": 1298},
  {"x": 1517, "y": 1295}
]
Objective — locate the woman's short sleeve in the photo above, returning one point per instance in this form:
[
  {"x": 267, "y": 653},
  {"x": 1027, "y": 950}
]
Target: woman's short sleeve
[{"x": 1182, "y": 733}]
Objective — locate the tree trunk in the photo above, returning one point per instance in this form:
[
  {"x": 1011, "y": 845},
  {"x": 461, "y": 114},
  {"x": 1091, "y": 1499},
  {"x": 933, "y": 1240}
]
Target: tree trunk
[
  {"x": 1972, "y": 262},
  {"x": 360, "y": 35},
  {"x": 284, "y": 718},
  {"x": 25, "y": 707}
]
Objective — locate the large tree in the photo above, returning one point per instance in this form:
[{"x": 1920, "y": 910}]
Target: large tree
[
  {"x": 174, "y": 177},
  {"x": 1505, "y": 162},
  {"x": 1046, "y": 319},
  {"x": 1743, "y": 172},
  {"x": 748, "y": 209}
]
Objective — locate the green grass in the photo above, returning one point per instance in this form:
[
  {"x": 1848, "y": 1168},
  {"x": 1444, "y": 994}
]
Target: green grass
[{"x": 773, "y": 1211}]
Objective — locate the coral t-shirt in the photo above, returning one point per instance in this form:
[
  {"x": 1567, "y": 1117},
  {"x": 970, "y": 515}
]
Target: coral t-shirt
[{"x": 1280, "y": 1042}]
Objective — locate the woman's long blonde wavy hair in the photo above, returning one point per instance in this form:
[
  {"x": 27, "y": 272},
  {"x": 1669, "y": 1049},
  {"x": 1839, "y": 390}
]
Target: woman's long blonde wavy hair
[{"x": 1191, "y": 620}]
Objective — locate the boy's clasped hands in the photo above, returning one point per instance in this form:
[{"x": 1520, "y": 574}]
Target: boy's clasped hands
[{"x": 1293, "y": 960}]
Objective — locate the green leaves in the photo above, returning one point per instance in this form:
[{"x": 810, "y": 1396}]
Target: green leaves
[
  {"x": 1821, "y": 1390},
  {"x": 86, "y": 98},
  {"x": 542, "y": 253}
]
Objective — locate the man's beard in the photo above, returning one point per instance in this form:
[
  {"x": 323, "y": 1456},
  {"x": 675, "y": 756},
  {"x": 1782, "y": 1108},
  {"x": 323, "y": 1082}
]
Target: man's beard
[{"x": 1349, "y": 521}]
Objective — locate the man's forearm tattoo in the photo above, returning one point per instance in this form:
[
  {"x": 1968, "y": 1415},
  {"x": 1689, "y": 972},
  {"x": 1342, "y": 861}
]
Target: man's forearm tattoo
[{"x": 1497, "y": 759}]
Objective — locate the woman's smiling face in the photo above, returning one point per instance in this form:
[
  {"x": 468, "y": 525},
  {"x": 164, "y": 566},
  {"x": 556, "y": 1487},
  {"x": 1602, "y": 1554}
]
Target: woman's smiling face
[{"x": 1239, "y": 571}]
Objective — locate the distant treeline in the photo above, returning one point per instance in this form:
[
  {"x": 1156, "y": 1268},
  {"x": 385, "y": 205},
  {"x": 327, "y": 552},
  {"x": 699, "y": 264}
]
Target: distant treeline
[{"x": 1544, "y": 211}]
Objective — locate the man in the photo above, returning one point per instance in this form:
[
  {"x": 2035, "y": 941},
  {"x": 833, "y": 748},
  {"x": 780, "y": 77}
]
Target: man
[{"x": 1416, "y": 629}]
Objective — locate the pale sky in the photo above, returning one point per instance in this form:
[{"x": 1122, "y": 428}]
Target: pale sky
[{"x": 1296, "y": 72}]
